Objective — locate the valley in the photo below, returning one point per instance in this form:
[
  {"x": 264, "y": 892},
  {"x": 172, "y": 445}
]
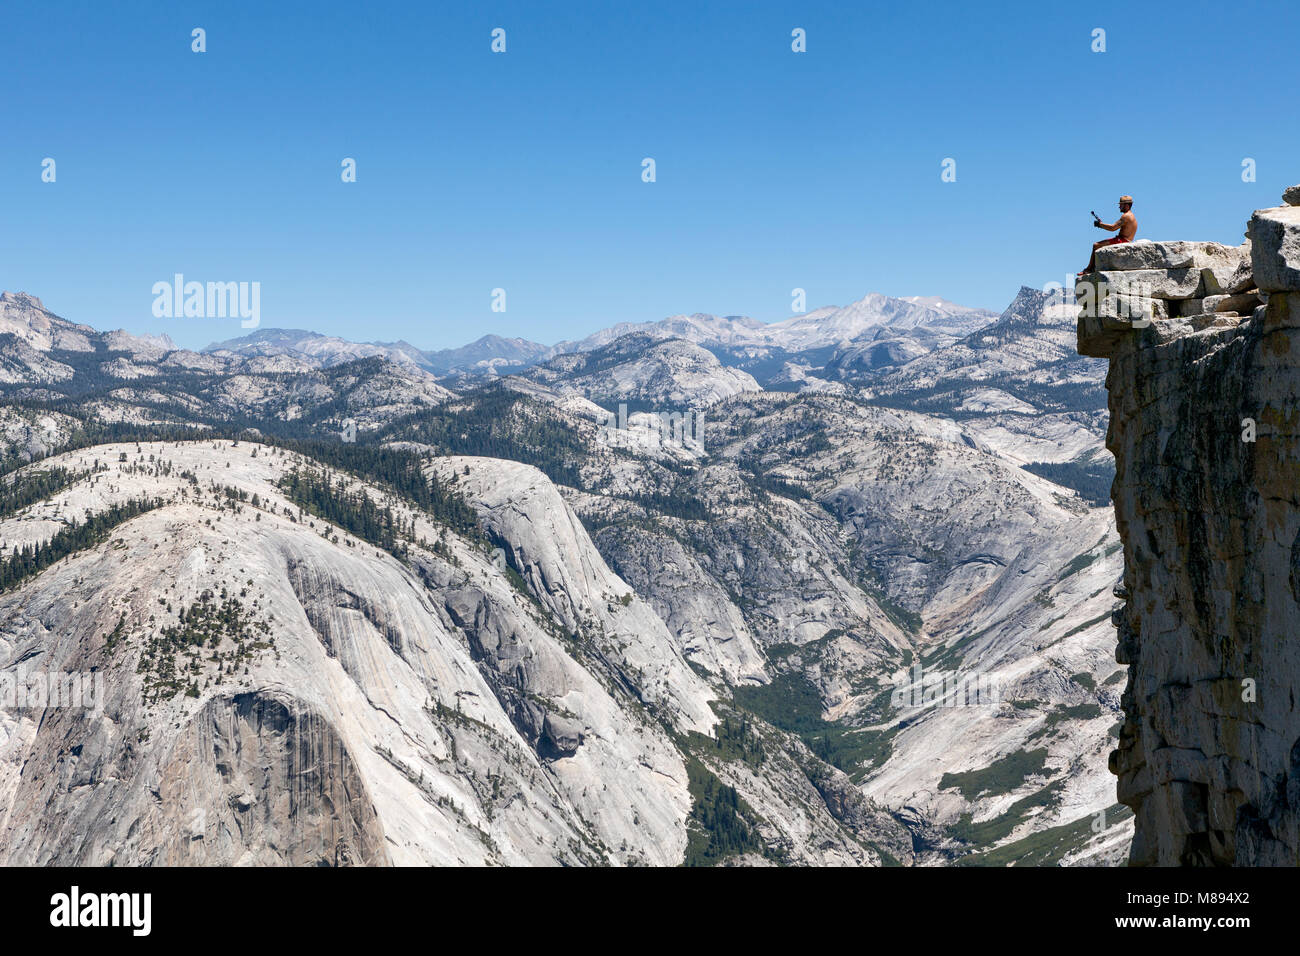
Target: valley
[{"x": 691, "y": 652}]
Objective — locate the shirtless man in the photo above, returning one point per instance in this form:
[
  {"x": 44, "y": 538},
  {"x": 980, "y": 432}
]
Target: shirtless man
[{"x": 1127, "y": 225}]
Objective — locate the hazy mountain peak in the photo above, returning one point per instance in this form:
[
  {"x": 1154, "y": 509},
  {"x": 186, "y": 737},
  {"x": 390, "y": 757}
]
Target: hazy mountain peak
[
  {"x": 832, "y": 325},
  {"x": 642, "y": 367},
  {"x": 120, "y": 340},
  {"x": 313, "y": 348},
  {"x": 22, "y": 300},
  {"x": 24, "y": 315}
]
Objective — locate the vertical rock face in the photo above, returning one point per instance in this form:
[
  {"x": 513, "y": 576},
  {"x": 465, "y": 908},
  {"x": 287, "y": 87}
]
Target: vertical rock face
[
  {"x": 1205, "y": 429},
  {"x": 270, "y": 784}
]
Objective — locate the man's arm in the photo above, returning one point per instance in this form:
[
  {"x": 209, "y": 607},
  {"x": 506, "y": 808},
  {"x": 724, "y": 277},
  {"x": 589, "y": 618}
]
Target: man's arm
[{"x": 1108, "y": 226}]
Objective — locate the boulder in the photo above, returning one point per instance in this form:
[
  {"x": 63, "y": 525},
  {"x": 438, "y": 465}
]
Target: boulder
[
  {"x": 1145, "y": 254},
  {"x": 1291, "y": 196},
  {"x": 1144, "y": 292},
  {"x": 1106, "y": 316},
  {"x": 1099, "y": 334},
  {"x": 1131, "y": 307},
  {"x": 1225, "y": 270},
  {"x": 1282, "y": 312},
  {"x": 1150, "y": 283},
  {"x": 1275, "y": 249},
  {"x": 561, "y": 736},
  {"x": 1243, "y": 304}
]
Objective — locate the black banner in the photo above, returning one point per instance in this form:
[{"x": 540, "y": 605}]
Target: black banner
[{"x": 301, "y": 906}]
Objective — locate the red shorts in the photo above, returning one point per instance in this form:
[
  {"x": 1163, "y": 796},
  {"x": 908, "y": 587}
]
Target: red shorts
[{"x": 1115, "y": 241}]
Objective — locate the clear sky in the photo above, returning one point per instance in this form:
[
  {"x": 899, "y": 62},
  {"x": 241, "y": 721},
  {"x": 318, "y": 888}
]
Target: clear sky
[{"x": 523, "y": 170}]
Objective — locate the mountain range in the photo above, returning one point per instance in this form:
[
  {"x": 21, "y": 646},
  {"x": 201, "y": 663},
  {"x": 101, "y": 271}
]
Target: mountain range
[
  {"x": 825, "y": 327},
  {"x": 363, "y": 604}
]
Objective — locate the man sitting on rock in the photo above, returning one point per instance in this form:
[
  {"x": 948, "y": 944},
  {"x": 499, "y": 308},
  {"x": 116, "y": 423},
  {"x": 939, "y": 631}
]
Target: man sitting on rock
[{"x": 1127, "y": 225}]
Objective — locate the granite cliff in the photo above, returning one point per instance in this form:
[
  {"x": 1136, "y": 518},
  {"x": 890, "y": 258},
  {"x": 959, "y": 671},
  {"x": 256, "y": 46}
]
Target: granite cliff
[{"x": 1204, "y": 349}]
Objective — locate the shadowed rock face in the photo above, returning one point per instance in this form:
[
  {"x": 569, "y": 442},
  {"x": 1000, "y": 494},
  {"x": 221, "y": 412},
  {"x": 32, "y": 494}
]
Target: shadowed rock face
[
  {"x": 251, "y": 779},
  {"x": 1209, "y": 754},
  {"x": 274, "y": 784}
]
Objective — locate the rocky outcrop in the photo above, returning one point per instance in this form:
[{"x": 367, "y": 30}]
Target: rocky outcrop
[
  {"x": 1204, "y": 432},
  {"x": 1140, "y": 281},
  {"x": 1277, "y": 231},
  {"x": 261, "y": 780},
  {"x": 637, "y": 368}
]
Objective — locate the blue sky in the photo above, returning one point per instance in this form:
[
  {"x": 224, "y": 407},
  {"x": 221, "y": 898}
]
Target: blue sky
[{"x": 475, "y": 171}]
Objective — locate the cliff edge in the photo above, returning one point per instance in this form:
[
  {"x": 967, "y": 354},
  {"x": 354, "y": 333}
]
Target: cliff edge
[{"x": 1204, "y": 347}]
